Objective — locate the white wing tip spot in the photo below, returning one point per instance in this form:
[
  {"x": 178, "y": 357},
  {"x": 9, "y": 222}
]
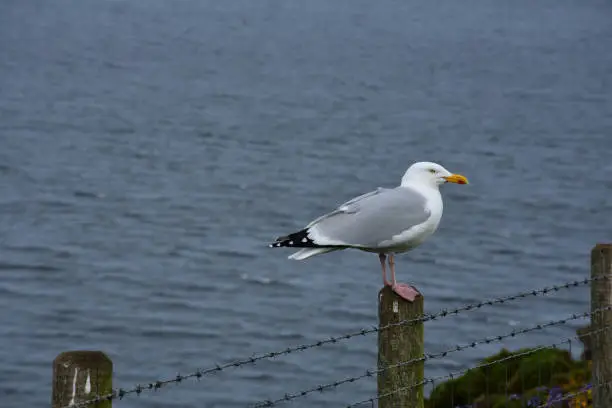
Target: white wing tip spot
[{"x": 304, "y": 239}]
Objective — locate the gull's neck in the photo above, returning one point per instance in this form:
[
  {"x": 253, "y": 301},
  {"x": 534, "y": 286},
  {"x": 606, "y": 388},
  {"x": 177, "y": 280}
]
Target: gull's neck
[
  {"x": 419, "y": 184},
  {"x": 431, "y": 192}
]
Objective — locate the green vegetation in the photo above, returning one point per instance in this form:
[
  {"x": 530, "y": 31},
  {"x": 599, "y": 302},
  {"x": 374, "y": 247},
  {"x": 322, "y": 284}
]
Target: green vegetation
[{"x": 525, "y": 378}]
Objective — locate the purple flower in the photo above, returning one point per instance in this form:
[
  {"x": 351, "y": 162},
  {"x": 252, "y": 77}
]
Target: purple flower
[
  {"x": 555, "y": 395},
  {"x": 514, "y": 397},
  {"x": 534, "y": 401}
]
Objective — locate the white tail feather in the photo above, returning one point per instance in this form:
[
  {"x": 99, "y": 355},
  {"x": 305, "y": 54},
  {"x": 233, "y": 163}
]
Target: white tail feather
[{"x": 308, "y": 252}]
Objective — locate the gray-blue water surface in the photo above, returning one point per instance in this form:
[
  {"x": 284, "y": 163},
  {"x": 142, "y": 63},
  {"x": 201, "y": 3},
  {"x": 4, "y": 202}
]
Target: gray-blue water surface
[{"x": 150, "y": 150}]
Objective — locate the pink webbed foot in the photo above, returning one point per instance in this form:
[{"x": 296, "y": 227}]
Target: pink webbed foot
[{"x": 406, "y": 292}]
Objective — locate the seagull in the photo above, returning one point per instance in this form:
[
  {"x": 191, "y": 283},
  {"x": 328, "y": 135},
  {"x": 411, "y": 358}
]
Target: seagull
[{"x": 386, "y": 221}]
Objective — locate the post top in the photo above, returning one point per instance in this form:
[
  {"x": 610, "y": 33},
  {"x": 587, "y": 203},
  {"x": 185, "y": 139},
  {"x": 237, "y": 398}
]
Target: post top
[
  {"x": 388, "y": 291},
  {"x": 82, "y": 357}
]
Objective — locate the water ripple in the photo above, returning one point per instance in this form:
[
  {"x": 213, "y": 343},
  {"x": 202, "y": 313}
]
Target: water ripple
[{"x": 149, "y": 155}]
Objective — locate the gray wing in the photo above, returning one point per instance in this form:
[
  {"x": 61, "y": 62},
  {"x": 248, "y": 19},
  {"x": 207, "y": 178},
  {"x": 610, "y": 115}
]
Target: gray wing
[{"x": 371, "y": 218}]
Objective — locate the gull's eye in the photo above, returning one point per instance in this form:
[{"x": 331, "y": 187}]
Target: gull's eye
[{"x": 432, "y": 171}]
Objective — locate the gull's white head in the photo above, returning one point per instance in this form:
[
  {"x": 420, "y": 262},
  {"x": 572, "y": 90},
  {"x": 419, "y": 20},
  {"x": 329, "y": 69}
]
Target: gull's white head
[{"x": 431, "y": 174}]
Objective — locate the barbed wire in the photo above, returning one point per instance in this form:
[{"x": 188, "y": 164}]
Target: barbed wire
[
  {"x": 433, "y": 380},
  {"x": 200, "y": 373},
  {"x": 431, "y": 356},
  {"x": 574, "y": 394},
  {"x": 501, "y": 300}
]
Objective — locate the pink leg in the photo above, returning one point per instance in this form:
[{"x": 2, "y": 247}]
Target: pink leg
[
  {"x": 403, "y": 290},
  {"x": 383, "y": 258}
]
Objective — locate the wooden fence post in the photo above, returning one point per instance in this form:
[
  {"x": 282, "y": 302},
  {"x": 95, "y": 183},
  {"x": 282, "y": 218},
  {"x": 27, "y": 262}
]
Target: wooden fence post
[
  {"x": 396, "y": 345},
  {"x": 81, "y": 375},
  {"x": 601, "y": 342}
]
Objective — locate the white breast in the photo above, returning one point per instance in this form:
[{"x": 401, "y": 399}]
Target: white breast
[{"x": 415, "y": 236}]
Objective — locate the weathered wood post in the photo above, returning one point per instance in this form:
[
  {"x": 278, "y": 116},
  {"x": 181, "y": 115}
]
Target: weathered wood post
[
  {"x": 80, "y": 376},
  {"x": 396, "y": 345},
  {"x": 601, "y": 342}
]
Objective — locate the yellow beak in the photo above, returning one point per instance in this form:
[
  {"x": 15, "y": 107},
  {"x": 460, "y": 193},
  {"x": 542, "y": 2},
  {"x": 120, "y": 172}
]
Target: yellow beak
[{"x": 456, "y": 178}]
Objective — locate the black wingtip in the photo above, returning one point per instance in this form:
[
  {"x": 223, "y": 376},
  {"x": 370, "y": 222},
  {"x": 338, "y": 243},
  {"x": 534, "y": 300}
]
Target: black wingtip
[{"x": 298, "y": 239}]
